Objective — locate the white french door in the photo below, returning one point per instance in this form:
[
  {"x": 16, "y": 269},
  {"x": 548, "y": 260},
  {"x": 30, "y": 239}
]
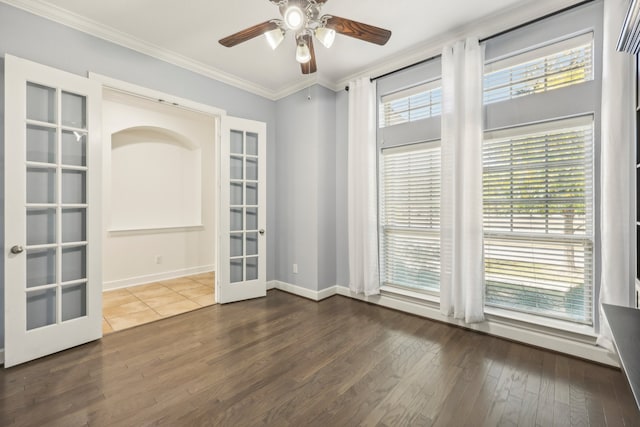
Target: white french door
[
  {"x": 242, "y": 208},
  {"x": 53, "y": 279}
]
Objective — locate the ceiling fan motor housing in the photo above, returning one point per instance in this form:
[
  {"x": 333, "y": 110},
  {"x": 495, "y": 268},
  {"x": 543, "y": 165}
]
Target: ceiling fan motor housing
[{"x": 310, "y": 13}]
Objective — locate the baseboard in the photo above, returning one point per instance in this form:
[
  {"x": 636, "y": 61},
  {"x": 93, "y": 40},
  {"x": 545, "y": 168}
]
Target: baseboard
[
  {"x": 302, "y": 292},
  {"x": 327, "y": 292},
  {"x": 2, "y": 357},
  {"x": 534, "y": 335},
  {"x": 150, "y": 278}
]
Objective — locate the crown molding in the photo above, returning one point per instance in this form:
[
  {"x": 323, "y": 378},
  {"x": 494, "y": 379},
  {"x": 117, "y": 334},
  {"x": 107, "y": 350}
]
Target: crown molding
[
  {"x": 316, "y": 79},
  {"x": 107, "y": 33},
  {"x": 285, "y": 91},
  {"x": 480, "y": 28}
]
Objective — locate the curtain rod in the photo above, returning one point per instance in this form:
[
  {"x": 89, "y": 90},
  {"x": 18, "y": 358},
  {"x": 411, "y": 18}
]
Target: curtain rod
[{"x": 498, "y": 34}]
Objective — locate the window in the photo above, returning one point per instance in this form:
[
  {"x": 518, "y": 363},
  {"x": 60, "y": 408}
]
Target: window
[
  {"x": 409, "y": 105},
  {"x": 540, "y": 70},
  {"x": 410, "y": 216},
  {"x": 538, "y": 218}
]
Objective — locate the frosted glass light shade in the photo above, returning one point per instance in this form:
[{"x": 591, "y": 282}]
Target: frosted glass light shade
[
  {"x": 274, "y": 37},
  {"x": 326, "y": 36},
  {"x": 294, "y": 18},
  {"x": 303, "y": 55}
]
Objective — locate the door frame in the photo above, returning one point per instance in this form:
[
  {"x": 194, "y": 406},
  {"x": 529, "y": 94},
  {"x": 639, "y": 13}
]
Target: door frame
[
  {"x": 157, "y": 96},
  {"x": 143, "y": 92}
]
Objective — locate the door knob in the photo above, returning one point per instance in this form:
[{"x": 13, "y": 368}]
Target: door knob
[
  {"x": 17, "y": 249},
  {"x": 261, "y": 231}
]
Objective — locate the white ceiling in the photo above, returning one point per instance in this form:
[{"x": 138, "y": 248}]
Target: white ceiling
[{"x": 187, "y": 33}]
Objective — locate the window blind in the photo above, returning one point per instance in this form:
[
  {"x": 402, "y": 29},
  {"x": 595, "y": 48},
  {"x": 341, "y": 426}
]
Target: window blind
[
  {"x": 539, "y": 70},
  {"x": 410, "y": 216},
  {"x": 412, "y": 104},
  {"x": 538, "y": 219}
]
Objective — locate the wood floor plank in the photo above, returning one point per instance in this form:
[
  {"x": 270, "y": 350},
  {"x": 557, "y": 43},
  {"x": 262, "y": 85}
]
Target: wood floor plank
[
  {"x": 595, "y": 410},
  {"x": 546, "y": 400},
  {"x": 562, "y": 393},
  {"x": 386, "y": 365},
  {"x": 481, "y": 403},
  {"x": 286, "y": 361},
  {"x": 577, "y": 399},
  {"x": 503, "y": 388},
  {"x": 528, "y": 410},
  {"x": 395, "y": 401}
]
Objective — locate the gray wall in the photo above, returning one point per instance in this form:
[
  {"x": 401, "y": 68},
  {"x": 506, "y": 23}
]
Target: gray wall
[
  {"x": 342, "y": 137},
  {"x": 326, "y": 123},
  {"x": 296, "y": 200},
  {"x": 31, "y": 37},
  {"x": 306, "y": 196}
]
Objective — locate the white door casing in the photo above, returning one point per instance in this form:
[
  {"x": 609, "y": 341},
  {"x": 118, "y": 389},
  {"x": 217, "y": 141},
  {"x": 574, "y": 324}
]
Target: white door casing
[
  {"x": 242, "y": 230},
  {"x": 53, "y": 173}
]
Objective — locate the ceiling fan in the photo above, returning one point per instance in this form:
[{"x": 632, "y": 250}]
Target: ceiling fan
[{"x": 302, "y": 17}]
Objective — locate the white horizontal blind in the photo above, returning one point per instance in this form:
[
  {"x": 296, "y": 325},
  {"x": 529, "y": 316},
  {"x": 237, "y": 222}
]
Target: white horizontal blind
[
  {"x": 409, "y": 105},
  {"x": 410, "y": 216},
  {"x": 546, "y": 68},
  {"x": 538, "y": 219}
]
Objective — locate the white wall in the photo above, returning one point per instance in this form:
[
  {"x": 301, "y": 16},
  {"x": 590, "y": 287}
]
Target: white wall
[{"x": 147, "y": 235}]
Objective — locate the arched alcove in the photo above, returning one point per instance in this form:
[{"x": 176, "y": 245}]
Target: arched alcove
[{"x": 155, "y": 179}]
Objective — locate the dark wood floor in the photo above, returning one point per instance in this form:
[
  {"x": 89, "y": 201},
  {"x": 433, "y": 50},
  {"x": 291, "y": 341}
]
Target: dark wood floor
[{"x": 286, "y": 361}]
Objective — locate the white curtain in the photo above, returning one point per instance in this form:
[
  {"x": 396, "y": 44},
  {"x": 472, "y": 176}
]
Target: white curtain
[
  {"x": 362, "y": 205},
  {"x": 461, "y": 239},
  {"x": 617, "y": 168}
]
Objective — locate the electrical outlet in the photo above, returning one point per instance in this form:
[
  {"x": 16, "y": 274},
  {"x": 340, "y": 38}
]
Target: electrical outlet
[
  {"x": 295, "y": 268},
  {"x": 158, "y": 259}
]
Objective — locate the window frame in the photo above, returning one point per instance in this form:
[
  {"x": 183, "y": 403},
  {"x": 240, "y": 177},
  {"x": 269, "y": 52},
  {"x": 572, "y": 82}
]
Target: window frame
[
  {"x": 429, "y": 88},
  {"x": 382, "y": 229},
  {"x": 540, "y": 52},
  {"x": 549, "y": 126}
]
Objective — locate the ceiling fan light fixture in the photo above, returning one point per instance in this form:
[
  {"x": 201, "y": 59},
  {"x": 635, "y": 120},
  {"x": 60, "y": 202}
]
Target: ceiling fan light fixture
[
  {"x": 274, "y": 37},
  {"x": 326, "y": 36},
  {"x": 303, "y": 54},
  {"x": 305, "y": 21},
  {"x": 294, "y": 17}
]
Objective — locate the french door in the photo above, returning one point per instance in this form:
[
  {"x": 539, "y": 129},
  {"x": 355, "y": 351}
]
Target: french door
[
  {"x": 242, "y": 208},
  {"x": 53, "y": 283}
]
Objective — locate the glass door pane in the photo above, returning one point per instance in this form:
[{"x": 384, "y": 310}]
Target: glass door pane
[
  {"x": 41, "y": 144},
  {"x": 243, "y": 174},
  {"x": 41, "y": 103},
  {"x": 56, "y": 210}
]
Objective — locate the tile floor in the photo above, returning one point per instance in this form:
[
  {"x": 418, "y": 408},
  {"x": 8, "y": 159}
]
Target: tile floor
[{"x": 128, "y": 307}]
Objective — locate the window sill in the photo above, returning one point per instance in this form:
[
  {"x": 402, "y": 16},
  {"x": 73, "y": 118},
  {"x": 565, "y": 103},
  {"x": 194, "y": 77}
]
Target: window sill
[
  {"x": 575, "y": 331},
  {"x": 513, "y": 317},
  {"x": 415, "y": 295}
]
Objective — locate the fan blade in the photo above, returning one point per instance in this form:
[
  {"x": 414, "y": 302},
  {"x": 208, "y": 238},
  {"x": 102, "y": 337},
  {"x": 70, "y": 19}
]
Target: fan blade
[
  {"x": 358, "y": 30},
  {"x": 309, "y": 67},
  {"x": 248, "y": 34}
]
